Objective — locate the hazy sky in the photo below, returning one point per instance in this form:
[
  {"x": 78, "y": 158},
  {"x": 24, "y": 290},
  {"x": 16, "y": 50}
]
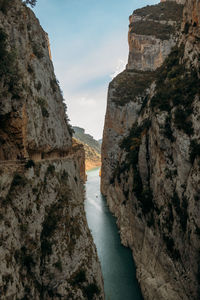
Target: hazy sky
[{"x": 89, "y": 45}]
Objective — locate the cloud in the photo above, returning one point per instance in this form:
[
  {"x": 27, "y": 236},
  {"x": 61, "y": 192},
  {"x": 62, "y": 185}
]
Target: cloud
[
  {"x": 93, "y": 64},
  {"x": 121, "y": 65},
  {"x": 85, "y": 81}
]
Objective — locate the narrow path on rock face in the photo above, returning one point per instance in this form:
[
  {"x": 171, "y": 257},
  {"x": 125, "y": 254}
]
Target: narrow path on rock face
[{"x": 116, "y": 261}]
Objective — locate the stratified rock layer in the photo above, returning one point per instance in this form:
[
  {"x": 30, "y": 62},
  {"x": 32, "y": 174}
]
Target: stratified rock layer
[
  {"x": 152, "y": 35},
  {"x": 151, "y": 161}
]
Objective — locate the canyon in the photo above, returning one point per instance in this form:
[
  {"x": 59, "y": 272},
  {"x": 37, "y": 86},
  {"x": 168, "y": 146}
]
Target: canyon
[
  {"x": 151, "y": 149},
  {"x": 150, "y": 172},
  {"x": 46, "y": 247}
]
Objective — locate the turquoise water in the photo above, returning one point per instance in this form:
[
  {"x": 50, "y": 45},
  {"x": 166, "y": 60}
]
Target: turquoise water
[{"x": 116, "y": 261}]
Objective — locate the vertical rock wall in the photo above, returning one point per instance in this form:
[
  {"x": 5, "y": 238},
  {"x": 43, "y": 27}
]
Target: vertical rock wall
[
  {"x": 46, "y": 248},
  {"x": 150, "y": 163}
]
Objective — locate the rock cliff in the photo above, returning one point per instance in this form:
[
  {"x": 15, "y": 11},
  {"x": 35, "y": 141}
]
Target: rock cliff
[
  {"x": 151, "y": 154},
  {"x": 91, "y": 146},
  {"x": 46, "y": 248},
  {"x": 30, "y": 95}
]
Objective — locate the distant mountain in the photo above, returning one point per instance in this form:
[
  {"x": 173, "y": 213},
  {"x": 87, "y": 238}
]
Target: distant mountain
[
  {"x": 100, "y": 141},
  {"x": 91, "y": 146},
  {"x": 79, "y": 134}
]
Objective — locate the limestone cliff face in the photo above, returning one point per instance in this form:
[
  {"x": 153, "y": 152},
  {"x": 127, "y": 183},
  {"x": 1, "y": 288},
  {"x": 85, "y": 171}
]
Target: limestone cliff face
[
  {"x": 47, "y": 251},
  {"x": 152, "y": 35},
  {"x": 30, "y": 99},
  {"x": 150, "y": 165},
  {"x": 46, "y": 248}
]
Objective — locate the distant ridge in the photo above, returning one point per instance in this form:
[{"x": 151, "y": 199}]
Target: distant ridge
[
  {"x": 92, "y": 148},
  {"x": 79, "y": 133}
]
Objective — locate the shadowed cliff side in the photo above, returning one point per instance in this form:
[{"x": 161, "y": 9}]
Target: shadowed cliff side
[
  {"x": 151, "y": 151},
  {"x": 46, "y": 248}
]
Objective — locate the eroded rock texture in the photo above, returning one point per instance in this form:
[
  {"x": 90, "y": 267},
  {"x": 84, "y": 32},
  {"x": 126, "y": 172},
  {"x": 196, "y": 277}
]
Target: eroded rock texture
[
  {"x": 47, "y": 251},
  {"x": 46, "y": 248},
  {"x": 151, "y": 160},
  {"x": 30, "y": 99}
]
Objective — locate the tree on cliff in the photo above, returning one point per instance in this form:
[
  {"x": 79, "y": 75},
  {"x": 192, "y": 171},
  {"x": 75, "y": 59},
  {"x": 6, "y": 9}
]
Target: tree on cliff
[{"x": 31, "y": 2}]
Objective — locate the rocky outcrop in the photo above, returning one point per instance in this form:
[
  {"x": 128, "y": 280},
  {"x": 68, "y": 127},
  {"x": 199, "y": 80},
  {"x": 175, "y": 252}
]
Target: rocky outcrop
[
  {"x": 152, "y": 34},
  {"x": 82, "y": 136},
  {"x": 47, "y": 251},
  {"x": 46, "y": 248},
  {"x": 150, "y": 165},
  {"x": 30, "y": 98},
  {"x": 91, "y": 146}
]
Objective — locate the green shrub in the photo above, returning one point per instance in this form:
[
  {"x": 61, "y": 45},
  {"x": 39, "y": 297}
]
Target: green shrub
[
  {"x": 181, "y": 209},
  {"x": 131, "y": 144},
  {"x": 31, "y": 2},
  {"x": 51, "y": 169},
  {"x": 186, "y": 28},
  {"x": 129, "y": 84},
  {"x": 167, "y": 130},
  {"x": 45, "y": 112},
  {"x": 30, "y": 69},
  {"x": 38, "y": 86},
  {"x": 181, "y": 122},
  {"x": 24, "y": 258},
  {"x": 194, "y": 150},
  {"x": 5, "y": 5},
  {"x": 46, "y": 248},
  {"x": 147, "y": 201},
  {"x": 91, "y": 290},
  {"x": 37, "y": 50},
  {"x": 176, "y": 87},
  {"x": 53, "y": 84},
  {"x": 18, "y": 180},
  {"x": 29, "y": 164},
  {"x": 58, "y": 265},
  {"x": 176, "y": 203},
  {"x": 43, "y": 105},
  {"x": 8, "y": 67},
  {"x": 24, "y": 228},
  {"x": 174, "y": 253},
  {"x": 48, "y": 228},
  {"x": 160, "y": 31},
  {"x": 162, "y": 11},
  {"x": 79, "y": 277}
]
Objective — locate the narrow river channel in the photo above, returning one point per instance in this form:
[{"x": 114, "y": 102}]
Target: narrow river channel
[{"x": 116, "y": 261}]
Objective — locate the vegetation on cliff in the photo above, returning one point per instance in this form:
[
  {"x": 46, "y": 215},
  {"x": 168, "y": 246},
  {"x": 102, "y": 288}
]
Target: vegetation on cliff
[
  {"x": 129, "y": 85},
  {"x": 176, "y": 88},
  {"x": 153, "y": 15},
  {"x": 151, "y": 177},
  {"x": 165, "y": 11}
]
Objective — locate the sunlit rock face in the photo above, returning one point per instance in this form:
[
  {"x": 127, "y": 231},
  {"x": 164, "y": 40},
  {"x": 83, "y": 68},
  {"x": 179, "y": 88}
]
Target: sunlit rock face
[
  {"x": 30, "y": 100},
  {"x": 152, "y": 34},
  {"x": 46, "y": 248},
  {"x": 150, "y": 158}
]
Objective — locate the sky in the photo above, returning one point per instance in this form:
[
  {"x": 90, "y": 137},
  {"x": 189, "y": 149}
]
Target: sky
[{"x": 89, "y": 47}]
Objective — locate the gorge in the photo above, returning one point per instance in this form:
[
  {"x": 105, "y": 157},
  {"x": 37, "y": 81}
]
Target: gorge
[
  {"x": 46, "y": 248},
  {"x": 52, "y": 227}
]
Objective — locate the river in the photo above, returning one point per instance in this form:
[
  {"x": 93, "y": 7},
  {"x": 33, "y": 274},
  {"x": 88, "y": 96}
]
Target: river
[{"x": 117, "y": 264}]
